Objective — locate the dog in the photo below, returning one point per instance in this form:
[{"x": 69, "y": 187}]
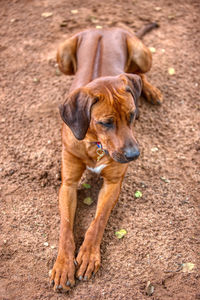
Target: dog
[{"x": 97, "y": 133}]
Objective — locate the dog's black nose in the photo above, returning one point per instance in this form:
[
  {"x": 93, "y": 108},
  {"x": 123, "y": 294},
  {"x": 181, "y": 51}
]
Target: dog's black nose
[{"x": 131, "y": 153}]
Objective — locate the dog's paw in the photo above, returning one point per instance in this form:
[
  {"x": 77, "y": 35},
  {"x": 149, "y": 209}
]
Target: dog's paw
[
  {"x": 62, "y": 274},
  {"x": 153, "y": 95},
  {"x": 88, "y": 260}
]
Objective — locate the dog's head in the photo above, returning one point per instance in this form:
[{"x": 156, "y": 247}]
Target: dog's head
[{"x": 104, "y": 111}]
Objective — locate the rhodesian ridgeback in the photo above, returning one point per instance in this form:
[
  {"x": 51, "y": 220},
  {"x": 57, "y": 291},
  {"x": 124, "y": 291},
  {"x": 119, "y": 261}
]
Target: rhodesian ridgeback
[{"x": 98, "y": 134}]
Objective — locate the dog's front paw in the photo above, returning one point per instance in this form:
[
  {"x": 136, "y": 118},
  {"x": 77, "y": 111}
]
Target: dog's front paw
[
  {"x": 62, "y": 274},
  {"x": 88, "y": 260},
  {"x": 153, "y": 95}
]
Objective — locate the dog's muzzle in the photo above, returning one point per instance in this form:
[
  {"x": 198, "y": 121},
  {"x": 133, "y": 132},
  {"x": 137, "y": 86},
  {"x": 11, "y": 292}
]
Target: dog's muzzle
[{"x": 128, "y": 154}]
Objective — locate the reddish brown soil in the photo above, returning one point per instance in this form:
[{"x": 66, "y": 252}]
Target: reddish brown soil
[{"x": 162, "y": 226}]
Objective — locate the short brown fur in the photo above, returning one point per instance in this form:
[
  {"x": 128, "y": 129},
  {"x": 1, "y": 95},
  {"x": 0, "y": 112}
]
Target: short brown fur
[{"x": 104, "y": 89}]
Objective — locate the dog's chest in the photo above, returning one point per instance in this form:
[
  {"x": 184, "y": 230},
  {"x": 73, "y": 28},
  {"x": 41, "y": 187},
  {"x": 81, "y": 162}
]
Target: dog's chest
[{"x": 98, "y": 169}]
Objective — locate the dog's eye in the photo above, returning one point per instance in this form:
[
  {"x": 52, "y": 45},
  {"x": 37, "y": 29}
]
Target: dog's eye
[
  {"x": 107, "y": 123},
  {"x": 132, "y": 116}
]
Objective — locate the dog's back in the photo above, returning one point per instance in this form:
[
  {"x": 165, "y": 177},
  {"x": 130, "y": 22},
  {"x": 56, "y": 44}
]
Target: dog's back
[{"x": 103, "y": 56}]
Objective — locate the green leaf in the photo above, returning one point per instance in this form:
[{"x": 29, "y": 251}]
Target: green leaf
[
  {"x": 86, "y": 185},
  {"x": 88, "y": 200},
  {"x": 138, "y": 194},
  {"x": 120, "y": 233}
]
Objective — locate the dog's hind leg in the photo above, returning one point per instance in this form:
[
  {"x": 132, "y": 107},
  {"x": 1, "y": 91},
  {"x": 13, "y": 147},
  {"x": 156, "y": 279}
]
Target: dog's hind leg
[
  {"x": 139, "y": 61},
  {"x": 150, "y": 92}
]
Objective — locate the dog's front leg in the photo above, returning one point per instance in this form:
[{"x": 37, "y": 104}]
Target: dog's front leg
[
  {"x": 88, "y": 257},
  {"x": 62, "y": 276}
]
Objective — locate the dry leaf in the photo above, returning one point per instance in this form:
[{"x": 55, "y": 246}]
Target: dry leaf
[
  {"x": 74, "y": 11},
  {"x": 58, "y": 73},
  {"x": 94, "y": 20},
  {"x": 188, "y": 267},
  {"x": 165, "y": 179},
  {"x": 149, "y": 288},
  {"x": 154, "y": 149},
  {"x": 171, "y": 17},
  {"x": 47, "y": 14},
  {"x": 36, "y": 80},
  {"x": 64, "y": 23},
  {"x": 157, "y": 8}
]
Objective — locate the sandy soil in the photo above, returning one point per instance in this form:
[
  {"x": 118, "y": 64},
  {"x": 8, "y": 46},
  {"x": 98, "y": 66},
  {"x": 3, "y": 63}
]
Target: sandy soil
[{"x": 163, "y": 225}]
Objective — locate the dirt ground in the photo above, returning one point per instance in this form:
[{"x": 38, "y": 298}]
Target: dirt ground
[{"x": 163, "y": 225}]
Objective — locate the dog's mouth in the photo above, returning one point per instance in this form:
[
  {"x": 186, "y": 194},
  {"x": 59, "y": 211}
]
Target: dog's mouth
[
  {"x": 122, "y": 159},
  {"x": 124, "y": 156}
]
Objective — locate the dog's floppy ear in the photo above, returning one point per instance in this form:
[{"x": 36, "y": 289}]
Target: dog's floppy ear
[
  {"x": 134, "y": 86},
  {"x": 135, "y": 83},
  {"x": 76, "y": 112}
]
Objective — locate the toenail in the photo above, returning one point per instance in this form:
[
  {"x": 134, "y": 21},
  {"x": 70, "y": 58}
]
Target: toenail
[
  {"x": 80, "y": 277},
  {"x": 75, "y": 262},
  {"x": 68, "y": 283},
  {"x": 60, "y": 287},
  {"x": 85, "y": 278}
]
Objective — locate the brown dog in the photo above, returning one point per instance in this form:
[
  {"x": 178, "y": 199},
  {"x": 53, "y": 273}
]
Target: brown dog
[{"x": 97, "y": 133}]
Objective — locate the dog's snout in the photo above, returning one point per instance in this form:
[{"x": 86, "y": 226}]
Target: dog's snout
[{"x": 131, "y": 153}]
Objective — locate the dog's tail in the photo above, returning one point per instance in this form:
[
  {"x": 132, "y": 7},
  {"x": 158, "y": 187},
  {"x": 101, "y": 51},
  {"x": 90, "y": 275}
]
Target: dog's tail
[{"x": 146, "y": 29}]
